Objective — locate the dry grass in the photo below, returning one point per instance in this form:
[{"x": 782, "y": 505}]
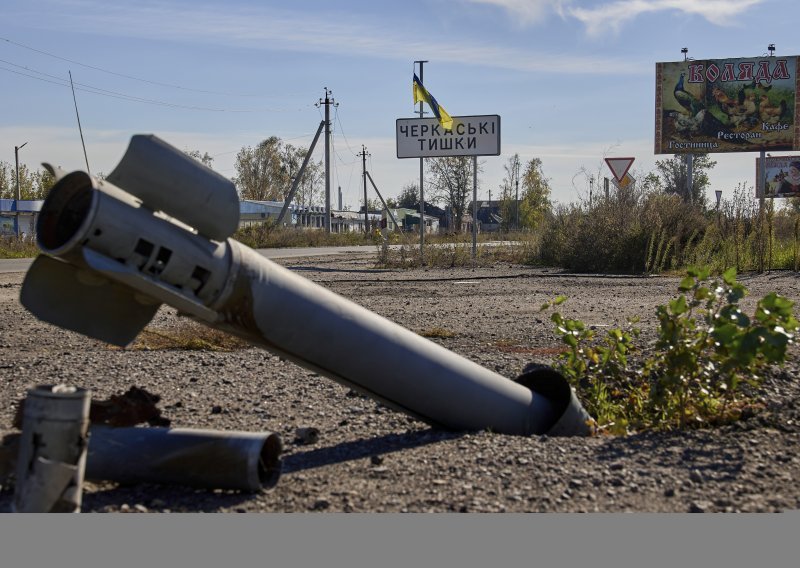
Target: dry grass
[
  {"x": 191, "y": 337},
  {"x": 13, "y": 247},
  {"x": 438, "y": 333}
]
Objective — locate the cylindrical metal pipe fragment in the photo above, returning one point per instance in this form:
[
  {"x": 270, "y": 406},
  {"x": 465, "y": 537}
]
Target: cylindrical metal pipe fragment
[
  {"x": 318, "y": 329},
  {"x": 52, "y": 450},
  {"x": 99, "y": 228},
  {"x": 208, "y": 459}
]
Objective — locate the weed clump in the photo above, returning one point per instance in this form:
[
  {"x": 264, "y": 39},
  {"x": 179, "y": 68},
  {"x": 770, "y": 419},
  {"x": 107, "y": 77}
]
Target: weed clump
[{"x": 708, "y": 350}]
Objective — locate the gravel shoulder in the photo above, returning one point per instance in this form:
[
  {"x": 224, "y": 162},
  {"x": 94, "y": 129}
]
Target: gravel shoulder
[{"x": 371, "y": 459}]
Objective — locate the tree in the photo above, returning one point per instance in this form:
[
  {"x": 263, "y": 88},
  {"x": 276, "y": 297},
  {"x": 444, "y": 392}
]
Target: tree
[
  {"x": 674, "y": 178},
  {"x": 508, "y": 193},
  {"x": 261, "y": 174},
  {"x": 309, "y": 189},
  {"x": 206, "y": 159},
  {"x": 373, "y": 204},
  {"x": 32, "y": 184},
  {"x": 409, "y": 196},
  {"x": 450, "y": 179},
  {"x": 535, "y": 198}
]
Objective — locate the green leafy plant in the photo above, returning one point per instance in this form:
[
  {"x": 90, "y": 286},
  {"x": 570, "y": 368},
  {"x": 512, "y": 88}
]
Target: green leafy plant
[
  {"x": 597, "y": 367},
  {"x": 708, "y": 347},
  {"x": 707, "y": 350}
]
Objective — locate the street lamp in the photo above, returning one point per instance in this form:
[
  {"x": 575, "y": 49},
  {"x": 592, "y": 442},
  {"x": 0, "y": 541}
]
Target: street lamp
[{"x": 16, "y": 162}]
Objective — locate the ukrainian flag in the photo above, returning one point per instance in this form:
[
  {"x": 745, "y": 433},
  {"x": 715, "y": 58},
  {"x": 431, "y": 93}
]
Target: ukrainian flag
[{"x": 421, "y": 94}]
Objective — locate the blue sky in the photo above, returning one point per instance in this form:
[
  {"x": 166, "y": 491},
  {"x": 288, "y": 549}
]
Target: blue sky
[{"x": 573, "y": 81}]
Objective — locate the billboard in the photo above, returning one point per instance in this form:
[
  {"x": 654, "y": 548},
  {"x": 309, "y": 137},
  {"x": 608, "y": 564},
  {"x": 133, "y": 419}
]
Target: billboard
[
  {"x": 470, "y": 136},
  {"x": 783, "y": 177},
  {"x": 727, "y": 105}
]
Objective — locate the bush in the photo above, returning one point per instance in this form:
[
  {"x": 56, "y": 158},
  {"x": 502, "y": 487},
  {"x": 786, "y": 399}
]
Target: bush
[{"x": 707, "y": 349}]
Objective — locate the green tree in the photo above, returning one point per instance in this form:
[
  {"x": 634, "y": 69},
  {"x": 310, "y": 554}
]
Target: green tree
[
  {"x": 409, "y": 196},
  {"x": 535, "y": 198},
  {"x": 34, "y": 184},
  {"x": 261, "y": 172},
  {"x": 674, "y": 177},
  {"x": 450, "y": 180}
]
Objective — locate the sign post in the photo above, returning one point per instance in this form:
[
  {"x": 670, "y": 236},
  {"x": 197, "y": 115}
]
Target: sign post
[{"x": 470, "y": 136}]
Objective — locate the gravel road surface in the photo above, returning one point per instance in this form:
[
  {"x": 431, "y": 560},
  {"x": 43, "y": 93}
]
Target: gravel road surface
[{"x": 370, "y": 459}]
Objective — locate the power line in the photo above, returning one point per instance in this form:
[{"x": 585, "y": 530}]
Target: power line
[
  {"x": 132, "y": 77},
  {"x": 346, "y": 142},
  {"x": 53, "y": 79}
]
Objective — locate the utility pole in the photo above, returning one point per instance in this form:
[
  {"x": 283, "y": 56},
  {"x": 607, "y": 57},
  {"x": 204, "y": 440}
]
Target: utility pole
[
  {"x": 16, "y": 164},
  {"x": 364, "y": 155},
  {"x": 421, "y": 182},
  {"x": 516, "y": 201},
  {"x": 327, "y": 102}
]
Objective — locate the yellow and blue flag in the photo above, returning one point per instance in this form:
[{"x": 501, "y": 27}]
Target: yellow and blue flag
[{"x": 421, "y": 94}]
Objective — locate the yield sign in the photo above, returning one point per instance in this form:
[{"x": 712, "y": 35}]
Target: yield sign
[{"x": 619, "y": 166}]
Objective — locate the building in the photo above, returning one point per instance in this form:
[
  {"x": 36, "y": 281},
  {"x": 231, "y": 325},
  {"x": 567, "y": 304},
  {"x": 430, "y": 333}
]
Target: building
[
  {"x": 311, "y": 217},
  {"x": 489, "y": 215},
  {"x": 408, "y": 221},
  {"x": 25, "y": 211}
]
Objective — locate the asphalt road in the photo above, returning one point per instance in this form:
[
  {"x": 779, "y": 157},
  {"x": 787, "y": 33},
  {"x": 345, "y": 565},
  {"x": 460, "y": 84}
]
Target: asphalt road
[{"x": 11, "y": 265}]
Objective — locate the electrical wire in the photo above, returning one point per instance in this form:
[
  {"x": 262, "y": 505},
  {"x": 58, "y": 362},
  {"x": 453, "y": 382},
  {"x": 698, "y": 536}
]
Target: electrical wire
[
  {"x": 53, "y": 79},
  {"x": 346, "y": 142},
  {"x": 123, "y": 75}
]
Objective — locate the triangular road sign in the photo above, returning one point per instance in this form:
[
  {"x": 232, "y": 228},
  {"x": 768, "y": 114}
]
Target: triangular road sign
[{"x": 619, "y": 166}]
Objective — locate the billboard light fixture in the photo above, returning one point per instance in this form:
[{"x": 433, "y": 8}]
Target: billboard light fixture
[{"x": 771, "y": 49}]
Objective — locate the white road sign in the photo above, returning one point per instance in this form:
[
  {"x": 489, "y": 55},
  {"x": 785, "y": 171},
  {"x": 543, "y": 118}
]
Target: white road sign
[
  {"x": 470, "y": 136},
  {"x": 619, "y": 166}
]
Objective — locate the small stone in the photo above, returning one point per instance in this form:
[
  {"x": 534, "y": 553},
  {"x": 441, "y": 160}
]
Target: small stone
[
  {"x": 700, "y": 506},
  {"x": 696, "y": 476},
  {"x": 575, "y": 483},
  {"x": 216, "y": 409},
  {"x": 669, "y": 492},
  {"x": 376, "y": 460},
  {"x": 306, "y": 435}
]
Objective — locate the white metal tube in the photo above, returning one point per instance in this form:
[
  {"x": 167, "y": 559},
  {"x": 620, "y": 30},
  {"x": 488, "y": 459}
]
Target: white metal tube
[
  {"x": 96, "y": 228},
  {"x": 52, "y": 450}
]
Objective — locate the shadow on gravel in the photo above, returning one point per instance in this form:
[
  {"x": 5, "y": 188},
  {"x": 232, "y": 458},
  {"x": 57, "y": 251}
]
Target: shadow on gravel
[
  {"x": 708, "y": 457},
  {"x": 360, "y": 449}
]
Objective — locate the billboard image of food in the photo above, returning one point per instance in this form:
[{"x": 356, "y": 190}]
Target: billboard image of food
[
  {"x": 727, "y": 105},
  {"x": 783, "y": 177}
]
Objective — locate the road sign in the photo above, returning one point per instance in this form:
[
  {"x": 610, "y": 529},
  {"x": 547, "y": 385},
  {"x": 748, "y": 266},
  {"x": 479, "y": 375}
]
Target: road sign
[
  {"x": 624, "y": 182},
  {"x": 470, "y": 136},
  {"x": 619, "y": 166}
]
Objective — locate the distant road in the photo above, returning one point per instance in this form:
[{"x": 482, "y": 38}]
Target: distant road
[{"x": 22, "y": 264}]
